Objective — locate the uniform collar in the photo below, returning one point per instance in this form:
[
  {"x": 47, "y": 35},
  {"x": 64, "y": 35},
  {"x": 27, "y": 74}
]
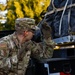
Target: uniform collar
[{"x": 16, "y": 41}]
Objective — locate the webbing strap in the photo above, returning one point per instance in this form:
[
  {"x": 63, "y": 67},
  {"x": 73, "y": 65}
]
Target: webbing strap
[
  {"x": 62, "y": 17},
  {"x": 69, "y": 18},
  {"x": 59, "y": 9}
]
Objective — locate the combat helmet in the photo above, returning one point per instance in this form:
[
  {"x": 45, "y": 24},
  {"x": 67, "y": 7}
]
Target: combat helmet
[{"x": 24, "y": 24}]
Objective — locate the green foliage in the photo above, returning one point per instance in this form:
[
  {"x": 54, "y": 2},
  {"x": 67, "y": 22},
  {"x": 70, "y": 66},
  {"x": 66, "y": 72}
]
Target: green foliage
[
  {"x": 9, "y": 25},
  {"x": 24, "y": 8},
  {"x": 2, "y": 7}
]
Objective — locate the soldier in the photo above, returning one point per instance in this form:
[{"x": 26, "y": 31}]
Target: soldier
[{"x": 16, "y": 49}]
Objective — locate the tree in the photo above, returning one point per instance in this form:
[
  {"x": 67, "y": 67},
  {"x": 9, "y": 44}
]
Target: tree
[{"x": 24, "y": 8}]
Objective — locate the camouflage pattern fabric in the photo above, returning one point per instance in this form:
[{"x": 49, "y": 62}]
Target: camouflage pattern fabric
[
  {"x": 11, "y": 63},
  {"x": 24, "y": 23}
]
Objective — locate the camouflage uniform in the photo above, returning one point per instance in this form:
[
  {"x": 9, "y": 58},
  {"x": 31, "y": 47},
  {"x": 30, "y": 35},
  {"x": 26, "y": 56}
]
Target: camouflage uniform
[{"x": 14, "y": 57}]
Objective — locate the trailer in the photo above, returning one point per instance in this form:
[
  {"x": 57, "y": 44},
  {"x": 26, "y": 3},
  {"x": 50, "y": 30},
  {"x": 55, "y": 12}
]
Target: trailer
[{"x": 62, "y": 62}]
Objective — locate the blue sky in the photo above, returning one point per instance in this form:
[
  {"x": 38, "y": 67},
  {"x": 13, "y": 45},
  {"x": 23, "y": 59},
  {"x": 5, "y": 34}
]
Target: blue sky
[{"x": 3, "y": 1}]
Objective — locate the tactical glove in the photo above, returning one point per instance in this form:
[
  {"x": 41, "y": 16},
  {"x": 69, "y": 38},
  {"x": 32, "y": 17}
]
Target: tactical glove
[{"x": 46, "y": 30}]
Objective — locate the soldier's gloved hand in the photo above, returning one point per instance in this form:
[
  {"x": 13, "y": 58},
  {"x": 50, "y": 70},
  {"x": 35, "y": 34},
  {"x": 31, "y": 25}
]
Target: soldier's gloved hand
[{"x": 46, "y": 30}]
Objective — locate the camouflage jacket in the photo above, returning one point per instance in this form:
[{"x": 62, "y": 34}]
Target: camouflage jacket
[{"x": 14, "y": 57}]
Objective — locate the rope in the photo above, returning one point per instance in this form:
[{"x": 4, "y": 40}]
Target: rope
[{"x": 62, "y": 17}]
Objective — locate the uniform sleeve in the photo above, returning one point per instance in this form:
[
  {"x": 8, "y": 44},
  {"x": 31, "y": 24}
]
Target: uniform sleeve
[
  {"x": 43, "y": 51},
  {"x": 4, "y": 53}
]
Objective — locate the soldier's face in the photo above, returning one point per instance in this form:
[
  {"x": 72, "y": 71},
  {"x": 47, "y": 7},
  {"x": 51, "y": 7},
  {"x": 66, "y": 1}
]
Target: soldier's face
[{"x": 28, "y": 35}]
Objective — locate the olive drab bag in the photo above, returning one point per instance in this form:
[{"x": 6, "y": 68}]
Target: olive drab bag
[{"x": 61, "y": 17}]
